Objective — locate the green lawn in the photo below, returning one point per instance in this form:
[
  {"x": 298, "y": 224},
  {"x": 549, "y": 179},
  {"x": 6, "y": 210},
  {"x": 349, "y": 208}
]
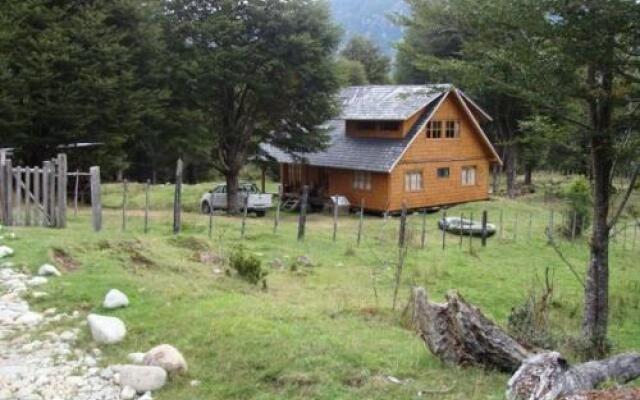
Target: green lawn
[{"x": 318, "y": 332}]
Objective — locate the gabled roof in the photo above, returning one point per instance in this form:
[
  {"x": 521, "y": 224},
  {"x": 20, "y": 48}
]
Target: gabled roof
[
  {"x": 364, "y": 154},
  {"x": 387, "y": 102}
]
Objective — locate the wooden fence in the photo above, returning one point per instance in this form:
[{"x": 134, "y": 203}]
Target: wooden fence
[{"x": 34, "y": 195}]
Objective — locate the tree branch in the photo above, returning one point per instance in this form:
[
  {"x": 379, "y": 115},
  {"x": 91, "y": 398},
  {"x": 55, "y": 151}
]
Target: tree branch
[{"x": 564, "y": 259}]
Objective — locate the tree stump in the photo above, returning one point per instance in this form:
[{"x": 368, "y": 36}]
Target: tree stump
[{"x": 459, "y": 334}]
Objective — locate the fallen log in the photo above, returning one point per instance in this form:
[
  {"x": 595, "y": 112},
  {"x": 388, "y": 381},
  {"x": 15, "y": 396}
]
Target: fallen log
[
  {"x": 548, "y": 376},
  {"x": 459, "y": 334}
]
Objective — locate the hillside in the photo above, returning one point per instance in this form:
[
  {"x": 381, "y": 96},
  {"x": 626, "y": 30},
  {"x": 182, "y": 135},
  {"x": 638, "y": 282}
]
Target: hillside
[{"x": 369, "y": 18}]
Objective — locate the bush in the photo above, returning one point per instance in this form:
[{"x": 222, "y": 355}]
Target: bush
[
  {"x": 248, "y": 267},
  {"x": 578, "y": 197}
]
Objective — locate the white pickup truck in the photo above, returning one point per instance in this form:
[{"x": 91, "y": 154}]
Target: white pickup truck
[{"x": 216, "y": 199}]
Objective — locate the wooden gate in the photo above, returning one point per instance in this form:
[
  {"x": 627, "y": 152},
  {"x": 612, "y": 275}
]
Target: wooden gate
[{"x": 34, "y": 196}]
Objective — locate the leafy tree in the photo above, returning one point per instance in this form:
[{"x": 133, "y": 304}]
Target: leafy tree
[
  {"x": 350, "y": 73},
  {"x": 249, "y": 72},
  {"x": 68, "y": 74},
  {"x": 376, "y": 65},
  {"x": 576, "y": 61}
]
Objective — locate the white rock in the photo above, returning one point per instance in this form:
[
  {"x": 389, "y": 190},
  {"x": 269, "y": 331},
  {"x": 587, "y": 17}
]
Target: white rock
[
  {"x": 39, "y": 295},
  {"x": 48, "y": 270},
  {"x": 5, "y": 251},
  {"x": 29, "y": 318},
  {"x": 128, "y": 393},
  {"x": 141, "y": 378},
  {"x": 106, "y": 330},
  {"x": 195, "y": 383},
  {"x": 136, "y": 358},
  {"x": 166, "y": 357},
  {"x": 37, "y": 281},
  {"x": 146, "y": 396},
  {"x": 115, "y": 299}
]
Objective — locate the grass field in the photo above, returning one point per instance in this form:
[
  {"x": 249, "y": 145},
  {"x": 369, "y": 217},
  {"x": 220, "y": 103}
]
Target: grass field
[{"x": 323, "y": 332}]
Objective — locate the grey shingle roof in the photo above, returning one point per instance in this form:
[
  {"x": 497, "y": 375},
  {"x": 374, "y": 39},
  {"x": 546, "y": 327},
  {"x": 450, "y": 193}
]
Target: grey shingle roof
[
  {"x": 365, "y": 154},
  {"x": 387, "y": 102}
]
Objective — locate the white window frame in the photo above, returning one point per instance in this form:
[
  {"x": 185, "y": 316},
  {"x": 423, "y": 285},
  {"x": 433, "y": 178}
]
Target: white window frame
[
  {"x": 362, "y": 180},
  {"x": 413, "y": 181},
  {"x": 453, "y": 127},
  {"x": 469, "y": 175}
]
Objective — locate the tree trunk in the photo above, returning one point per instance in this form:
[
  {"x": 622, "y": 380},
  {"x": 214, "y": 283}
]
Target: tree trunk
[
  {"x": 459, "y": 334},
  {"x": 511, "y": 169},
  {"x": 528, "y": 172},
  {"x": 232, "y": 191},
  {"x": 548, "y": 376},
  {"x": 596, "y": 296},
  {"x": 496, "y": 178}
]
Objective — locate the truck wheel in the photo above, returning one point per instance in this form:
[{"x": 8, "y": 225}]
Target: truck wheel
[
  {"x": 261, "y": 214},
  {"x": 206, "y": 209}
]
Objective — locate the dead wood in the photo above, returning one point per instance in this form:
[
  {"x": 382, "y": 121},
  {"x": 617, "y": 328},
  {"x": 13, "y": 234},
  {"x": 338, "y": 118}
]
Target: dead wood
[
  {"x": 459, "y": 334},
  {"x": 548, "y": 376}
]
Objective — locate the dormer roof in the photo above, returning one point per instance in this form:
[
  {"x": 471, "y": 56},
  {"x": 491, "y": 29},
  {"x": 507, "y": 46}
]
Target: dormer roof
[{"x": 387, "y": 102}]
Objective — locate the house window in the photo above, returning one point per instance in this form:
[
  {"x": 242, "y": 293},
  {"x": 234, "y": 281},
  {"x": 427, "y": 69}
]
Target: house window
[
  {"x": 434, "y": 129},
  {"x": 390, "y": 125},
  {"x": 452, "y": 129},
  {"x": 413, "y": 181},
  {"x": 362, "y": 180},
  {"x": 443, "y": 172},
  {"x": 468, "y": 176},
  {"x": 366, "y": 125}
]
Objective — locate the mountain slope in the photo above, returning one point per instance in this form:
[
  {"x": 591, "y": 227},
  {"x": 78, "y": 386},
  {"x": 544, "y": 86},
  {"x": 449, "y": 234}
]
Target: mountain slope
[{"x": 369, "y": 18}]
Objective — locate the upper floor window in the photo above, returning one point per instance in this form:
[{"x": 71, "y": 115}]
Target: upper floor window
[
  {"x": 452, "y": 129},
  {"x": 362, "y": 180},
  {"x": 434, "y": 129},
  {"x": 443, "y": 172},
  {"x": 468, "y": 176},
  {"x": 413, "y": 181},
  {"x": 390, "y": 125},
  {"x": 366, "y": 125}
]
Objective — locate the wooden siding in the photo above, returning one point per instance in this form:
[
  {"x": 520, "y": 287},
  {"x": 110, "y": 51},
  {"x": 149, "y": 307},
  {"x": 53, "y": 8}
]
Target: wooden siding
[
  {"x": 341, "y": 182},
  {"x": 427, "y": 155}
]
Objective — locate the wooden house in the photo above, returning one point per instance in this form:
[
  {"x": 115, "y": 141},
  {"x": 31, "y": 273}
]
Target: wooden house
[{"x": 423, "y": 145}]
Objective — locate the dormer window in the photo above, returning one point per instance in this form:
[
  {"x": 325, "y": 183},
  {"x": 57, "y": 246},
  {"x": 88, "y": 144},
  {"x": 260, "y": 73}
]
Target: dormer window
[
  {"x": 390, "y": 125},
  {"x": 434, "y": 129},
  {"x": 452, "y": 129},
  {"x": 367, "y": 125},
  {"x": 378, "y": 125}
]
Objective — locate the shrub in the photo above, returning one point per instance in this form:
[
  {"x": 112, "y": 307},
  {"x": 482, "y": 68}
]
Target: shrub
[
  {"x": 248, "y": 267},
  {"x": 578, "y": 196}
]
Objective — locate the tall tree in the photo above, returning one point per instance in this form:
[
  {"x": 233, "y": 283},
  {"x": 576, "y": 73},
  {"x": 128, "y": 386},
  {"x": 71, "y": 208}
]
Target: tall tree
[
  {"x": 376, "y": 65},
  {"x": 578, "y": 62},
  {"x": 350, "y": 73},
  {"x": 251, "y": 72},
  {"x": 68, "y": 74}
]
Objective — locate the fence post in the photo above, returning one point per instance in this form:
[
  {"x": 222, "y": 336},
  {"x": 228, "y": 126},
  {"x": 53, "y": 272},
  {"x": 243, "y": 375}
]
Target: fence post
[
  {"x": 75, "y": 193},
  {"x": 423, "y": 233},
  {"x": 530, "y": 225},
  {"x": 550, "y": 227},
  {"x": 573, "y": 225},
  {"x": 211, "y": 214},
  {"x": 276, "y": 217},
  {"x": 444, "y": 232},
  {"x": 17, "y": 173},
  {"x": 402, "y": 234},
  {"x": 515, "y": 228},
  {"x": 53, "y": 199},
  {"x": 146, "y": 206},
  {"x": 27, "y": 196},
  {"x": 335, "y": 218},
  {"x": 461, "y": 230},
  {"x": 471, "y": 233},
  {"x": 46, "y": 171},
  {"x": 38, "y": 220},
  {"x": 244, "y": 215},
  {"x": 484, "y": 228},
  {"x": 62, "y": 191},
  {"x": 96, "y": 202},
  {"x": 302, "y": 219},
  {"x": 124, "y": 204},
  {"x": 360, "y": 221},
  {"x": 177, "y": 199}
]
